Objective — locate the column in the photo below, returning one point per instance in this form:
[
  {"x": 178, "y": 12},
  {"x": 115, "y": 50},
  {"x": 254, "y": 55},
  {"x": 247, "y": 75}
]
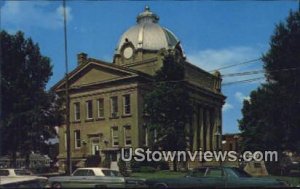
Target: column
[
  {"x": 208, "y": 130},
  {"x": 200, "y": 125},
  {"x": 204, "y": 129},
  {"x": 195, "y": 129},
  {"x": 212, "y": 130},
  {"x": 216, "y": 125}
]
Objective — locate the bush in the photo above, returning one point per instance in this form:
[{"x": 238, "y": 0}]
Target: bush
[
  {"x": 41, "y": 169},
  {"x": 161, "y": 165},
  {"x": 106, "y": 163},
  {"x": 147, "y": 169},
  {"x": 93, "y": 161},
  {"x": 123, "y": 168}
]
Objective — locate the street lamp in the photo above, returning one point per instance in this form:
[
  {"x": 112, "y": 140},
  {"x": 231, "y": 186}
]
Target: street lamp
[{"x": 218, "y": 134}]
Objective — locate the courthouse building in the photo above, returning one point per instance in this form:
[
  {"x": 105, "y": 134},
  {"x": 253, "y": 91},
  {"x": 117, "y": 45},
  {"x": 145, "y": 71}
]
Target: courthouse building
[{"x": 106, "y": 99}]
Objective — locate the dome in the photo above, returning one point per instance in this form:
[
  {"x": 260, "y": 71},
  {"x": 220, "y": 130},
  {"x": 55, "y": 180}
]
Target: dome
[{"x": 148, "y": 34}]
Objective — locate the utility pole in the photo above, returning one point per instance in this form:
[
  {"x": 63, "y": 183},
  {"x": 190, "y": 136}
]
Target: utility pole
[{"x": 69, "y": 161}]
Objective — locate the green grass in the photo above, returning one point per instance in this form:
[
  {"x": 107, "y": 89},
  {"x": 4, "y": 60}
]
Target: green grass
[{"x": 159, "y": 174}]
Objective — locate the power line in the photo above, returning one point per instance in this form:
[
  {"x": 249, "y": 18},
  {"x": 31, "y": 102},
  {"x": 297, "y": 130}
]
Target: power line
[
  {"x": 243, "y": 73},
  {"x": 258, "y": 72},
  {"x": 233, "y": 65},
  {"x": 243, "y": 81}
]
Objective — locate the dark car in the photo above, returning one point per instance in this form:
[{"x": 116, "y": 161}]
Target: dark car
[{"x": 216, "y": 177}]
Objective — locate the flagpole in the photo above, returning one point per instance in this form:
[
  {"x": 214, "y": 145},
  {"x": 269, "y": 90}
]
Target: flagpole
[{"x": 69, "y": 162}]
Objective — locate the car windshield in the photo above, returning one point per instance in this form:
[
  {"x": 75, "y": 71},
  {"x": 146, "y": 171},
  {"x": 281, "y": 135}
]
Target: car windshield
[
  {"x": 22, "y": 172},
  {"x": 111, "y": 173},
  {"x": 240, "y": 173}
]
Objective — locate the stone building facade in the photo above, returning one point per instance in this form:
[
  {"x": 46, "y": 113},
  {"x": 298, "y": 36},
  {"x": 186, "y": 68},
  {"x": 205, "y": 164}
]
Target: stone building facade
[{"x": 106, "y": 99}]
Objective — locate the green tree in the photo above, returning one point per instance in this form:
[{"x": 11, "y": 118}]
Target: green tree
[
  {"x": 28, "y": 112},
  {"x": 168, "y": 105},
  {"x": 271, "y": 117}
]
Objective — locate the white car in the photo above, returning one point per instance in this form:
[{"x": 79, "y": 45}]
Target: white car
[
  {"x": 15, "y": 178},
  {"x": 95, "y": 177},
  {"x": 14, "y": 172},
  {"x": 22, "y": 182}
]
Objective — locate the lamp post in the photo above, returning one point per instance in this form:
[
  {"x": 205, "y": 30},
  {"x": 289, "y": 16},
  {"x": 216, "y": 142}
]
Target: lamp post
[{"x": 218, "y": 134}]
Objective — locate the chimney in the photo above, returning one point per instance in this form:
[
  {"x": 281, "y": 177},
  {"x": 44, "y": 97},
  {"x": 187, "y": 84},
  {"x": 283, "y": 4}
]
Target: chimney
[{"x": 81, "y": 58}]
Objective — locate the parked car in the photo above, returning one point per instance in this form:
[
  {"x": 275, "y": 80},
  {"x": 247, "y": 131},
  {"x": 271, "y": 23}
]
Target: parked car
[
  {"x": 14, "y": 172},
  {"x": 95, "y": 178},
  {"x": 219, "y": 177},
  {"x": 22, "y": 182}
]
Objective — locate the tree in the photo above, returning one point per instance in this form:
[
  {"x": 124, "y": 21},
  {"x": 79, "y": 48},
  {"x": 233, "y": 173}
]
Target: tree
[
  {"x": 168, "y": 105},
  {"x": 28, "y": 111},
  {"x": 271, "y": 117}
]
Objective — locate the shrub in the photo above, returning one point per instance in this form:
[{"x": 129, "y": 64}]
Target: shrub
[
  {"x": 93, "y": 161},
  {"x": 147, "y": 169},
  {"x": 106, "y": 163},
  {"x": 123, "y": 168}
]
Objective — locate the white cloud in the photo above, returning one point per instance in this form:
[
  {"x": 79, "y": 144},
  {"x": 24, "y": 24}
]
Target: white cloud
[
  {"x": 210, "y": 59},
  {"x": 20, "y": 14},
  {"x": 227, "y": 107},
  {"x": 241, "y": 97}
]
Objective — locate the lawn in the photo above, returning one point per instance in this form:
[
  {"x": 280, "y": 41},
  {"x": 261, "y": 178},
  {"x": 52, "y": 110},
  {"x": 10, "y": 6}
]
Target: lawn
[{"x": 294, "y": 181}]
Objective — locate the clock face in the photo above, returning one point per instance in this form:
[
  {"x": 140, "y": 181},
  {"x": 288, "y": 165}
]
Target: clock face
[{"x": 127, "y": 53}]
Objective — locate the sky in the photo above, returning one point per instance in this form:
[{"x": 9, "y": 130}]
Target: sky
[{"x": 213, "y": 34}]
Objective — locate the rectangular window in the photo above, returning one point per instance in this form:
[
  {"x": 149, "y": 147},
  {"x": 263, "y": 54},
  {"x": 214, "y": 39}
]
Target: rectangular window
[
  {"x": 66, "y": 140},
  {"x": 100, "y": 107},
  {"x": 114, "y": 106},
  {"x": 77, "y": 139},
  {"x": 76, "y": 111},
  {"x": 127, "y": 135},
  {"x": 115, "y": 136},
  {"x": 126, "y": 105},
  {"x": 89, "y": 109}
]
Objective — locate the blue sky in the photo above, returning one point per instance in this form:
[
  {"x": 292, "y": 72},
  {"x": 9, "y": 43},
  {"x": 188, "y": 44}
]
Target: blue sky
[{"x": 212, "y": 34}]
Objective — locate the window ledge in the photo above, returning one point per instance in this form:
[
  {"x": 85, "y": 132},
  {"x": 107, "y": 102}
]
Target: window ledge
[
  {"x": 126, "y": 115},
  {"x": 115, "y": 117},
  {"x": 100, "y": 118},
  {"x": 89, "y": 120},
  {"x": 76, "y": 121}
]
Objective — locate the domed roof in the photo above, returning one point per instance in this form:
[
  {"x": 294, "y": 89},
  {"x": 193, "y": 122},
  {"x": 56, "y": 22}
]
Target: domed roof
[{"x": 148, "y": 34}]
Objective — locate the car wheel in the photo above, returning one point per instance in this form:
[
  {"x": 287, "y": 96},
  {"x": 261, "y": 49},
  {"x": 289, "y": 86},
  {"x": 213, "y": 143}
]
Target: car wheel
[
  {"x": 56, "y": 185},
  {"x": 160, "y": 185}
]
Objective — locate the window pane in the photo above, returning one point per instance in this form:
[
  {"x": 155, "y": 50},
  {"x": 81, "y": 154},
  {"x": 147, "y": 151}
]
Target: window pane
[
  {"x": 114, "y": 106},
  {"x": 115, "y": 136},
  {"x": 89, "y": 109},
  {"x": 127, "y": 109},
  {"x": 80, "y": 173},
  {"x": 101, "y": 107},
  {"x": 21, "y": 172},
  {"x": 77, "y": 111},
  {"x": 77, "y": 139},
  {"x": 4, "y": 173},
  {"x": 127, "y": 135}
]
